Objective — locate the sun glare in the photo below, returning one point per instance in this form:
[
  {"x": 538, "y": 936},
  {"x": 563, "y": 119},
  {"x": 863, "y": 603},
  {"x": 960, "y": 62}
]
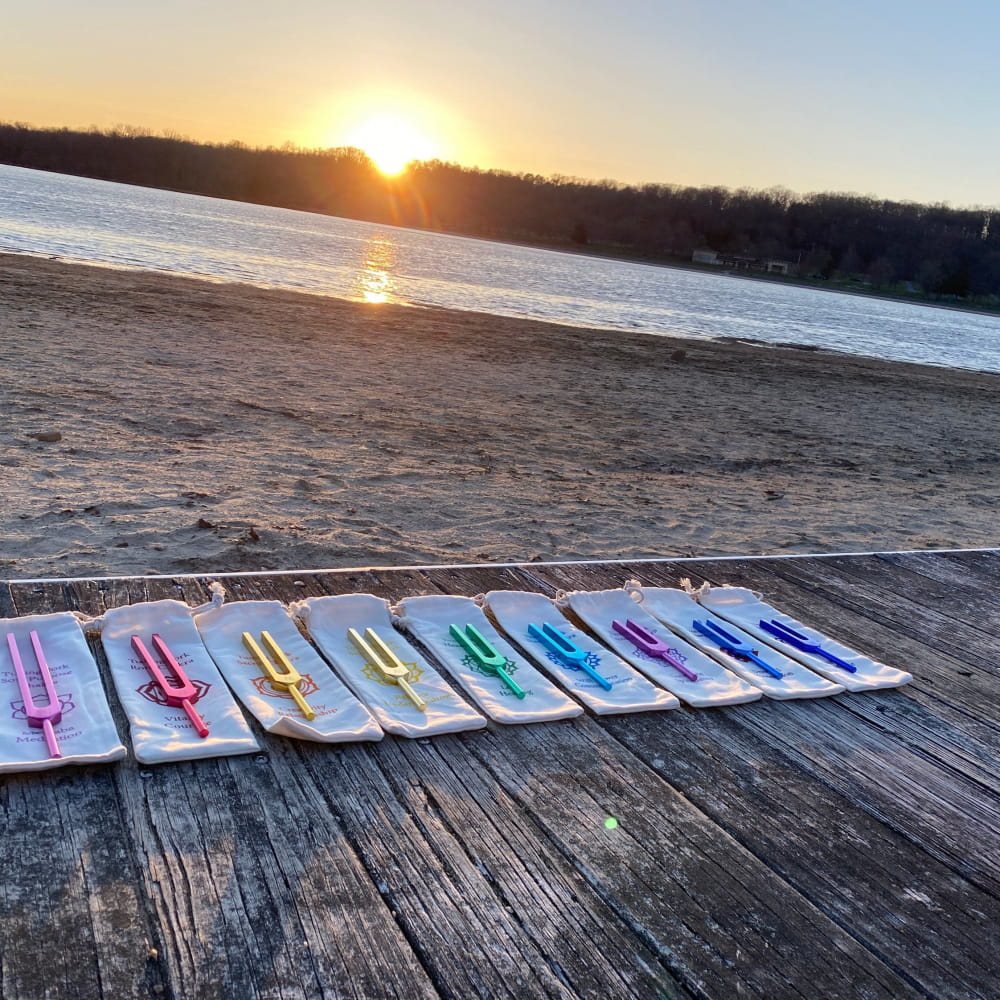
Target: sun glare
[{"x": 391, "y": 142}]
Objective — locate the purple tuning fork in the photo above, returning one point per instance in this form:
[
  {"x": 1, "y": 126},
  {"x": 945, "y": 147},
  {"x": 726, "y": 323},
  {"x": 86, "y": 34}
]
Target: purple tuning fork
[{"x": 644, "y": 640}]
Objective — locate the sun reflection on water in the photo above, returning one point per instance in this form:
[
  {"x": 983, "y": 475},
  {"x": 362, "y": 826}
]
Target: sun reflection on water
[{"x": 374, "y": 283}]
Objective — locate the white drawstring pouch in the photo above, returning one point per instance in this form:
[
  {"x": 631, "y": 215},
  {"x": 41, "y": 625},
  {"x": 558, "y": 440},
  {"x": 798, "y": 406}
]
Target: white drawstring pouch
[
  {"x": 745, "y": 609},
  {"x": 161, "y": 732},
  {"x": 715, "y": 685},
  {"x": 329, "y": 618},
  {"x": 340, "y": 717},
  {"x": 86, "y": 733},
  {"x": 678, "y": 610},
  {"x": 430, "y": 618},
  {"x": 515, "y": 610}
]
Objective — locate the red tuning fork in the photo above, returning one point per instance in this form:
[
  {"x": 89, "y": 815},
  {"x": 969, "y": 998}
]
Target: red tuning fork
[{"x": 179, "y": 693}]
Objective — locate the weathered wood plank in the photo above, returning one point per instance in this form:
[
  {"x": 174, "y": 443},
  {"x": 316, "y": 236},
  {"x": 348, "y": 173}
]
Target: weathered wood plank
[
  {"x": 493, "y": 911},
  {"x": 585, "y": 939},
  {"x": 7, "y": 609},
  {"x": 466, "y": 888},
  {"x": 965, "y": 576},
  {"x": 976, "y": 570},
  {"x": 725, "y": 922},
  {"x": 257, "y": 888},
  {"x": 565, "y": 776},
  {"x": 937, "y": 794},
  {"x": 73, "y": 922},
  {"x": 939, "y": 624},
  {"x": 70, "y": 877},
  {"x": 929, "y": 925},
  {"x": 973, "y": 606},
  {"x": 249, "y": 887},
  {"x": 937, "y": 726},
  {"x": 794, "y": 869}
]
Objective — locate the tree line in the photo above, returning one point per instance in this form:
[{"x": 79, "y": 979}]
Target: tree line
[{"x": 933, "y": 251}]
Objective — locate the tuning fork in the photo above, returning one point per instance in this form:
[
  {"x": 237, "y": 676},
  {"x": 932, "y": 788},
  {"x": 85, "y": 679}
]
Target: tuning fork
[
  {"x": 284, "y": 677},
  {"x": 651, "y": 645},
  {"x": 44, "y": 717},
  {"x": 178, "y": 691},
  {"x": 794, "y": 638},
  {"x": 489, "y": 660},
  {"x": 568, "y": 651},
  {"x": 376, "y": 652},
  {"x": 733, "y": 645}
]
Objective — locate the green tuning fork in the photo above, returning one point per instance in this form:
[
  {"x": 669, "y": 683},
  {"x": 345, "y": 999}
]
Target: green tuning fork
[{"x": 486, "y": 657}]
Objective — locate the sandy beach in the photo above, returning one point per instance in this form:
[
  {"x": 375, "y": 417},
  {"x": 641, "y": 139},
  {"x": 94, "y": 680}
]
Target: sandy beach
[{"x": 158, "y": 424}]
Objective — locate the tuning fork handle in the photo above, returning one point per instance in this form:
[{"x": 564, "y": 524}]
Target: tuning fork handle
[
  {"x": 510, "y": 682},
  {"x": 411, "y": 694},
  {"x": 304, "y": 706},
  {"x": 50, "y": 738},
  {"x": 685, "y": 671},
  {"x": 196, "y": 720},
  {"x": 595, "y": 675}
]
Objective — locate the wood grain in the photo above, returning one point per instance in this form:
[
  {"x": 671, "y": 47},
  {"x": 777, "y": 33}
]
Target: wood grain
[{"x": 844, "y": 847}]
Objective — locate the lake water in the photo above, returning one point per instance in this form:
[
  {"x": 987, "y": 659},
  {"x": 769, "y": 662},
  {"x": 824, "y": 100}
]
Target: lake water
[{"x": 134, "y": 227}]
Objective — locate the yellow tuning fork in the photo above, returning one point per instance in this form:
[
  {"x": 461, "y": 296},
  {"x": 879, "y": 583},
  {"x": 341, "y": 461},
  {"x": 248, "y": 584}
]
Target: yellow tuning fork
[
  {"x": 386, "y": 662},
  {"x": 287, "y": 678}
]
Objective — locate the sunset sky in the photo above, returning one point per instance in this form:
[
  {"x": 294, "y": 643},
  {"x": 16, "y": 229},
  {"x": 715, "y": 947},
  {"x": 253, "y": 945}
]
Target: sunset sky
[{"x": 893, "y": 98}]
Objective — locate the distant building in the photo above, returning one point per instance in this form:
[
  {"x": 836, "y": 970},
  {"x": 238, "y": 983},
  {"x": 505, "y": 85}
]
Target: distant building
[{"x": 735, "y": 262}]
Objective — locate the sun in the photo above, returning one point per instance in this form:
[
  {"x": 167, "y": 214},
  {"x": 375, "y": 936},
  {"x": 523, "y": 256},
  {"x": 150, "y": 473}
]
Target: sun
[{"x": 391, "y": 141}]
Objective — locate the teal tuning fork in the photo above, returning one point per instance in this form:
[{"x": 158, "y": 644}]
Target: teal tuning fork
[{"x": 486, "y": 657}]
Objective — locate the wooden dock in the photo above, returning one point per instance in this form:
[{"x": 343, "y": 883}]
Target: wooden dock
[{"x": 845, "y": 847}]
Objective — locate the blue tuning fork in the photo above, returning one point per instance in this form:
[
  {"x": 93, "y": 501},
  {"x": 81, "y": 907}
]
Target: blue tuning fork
[
  {"x": 729, "y": 643},
  {"x": 567, "y": 651},
  {"x": 803, "y": 643}
]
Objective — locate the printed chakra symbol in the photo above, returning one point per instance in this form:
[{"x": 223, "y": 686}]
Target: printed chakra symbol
[
  {"x": 154, "y": 693},
  {"x": 509, "y": 666},
  {"x": 19, "y": 712},
  {"x": 374, "y": 674},
  {"x": 306, "y": 686},
  {"x": 593, "y": 660}
]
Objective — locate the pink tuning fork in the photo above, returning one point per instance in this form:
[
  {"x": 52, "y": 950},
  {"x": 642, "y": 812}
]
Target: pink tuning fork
[
  {"x": 178, "y": 694},
  {"x": 43, "y": 717}
]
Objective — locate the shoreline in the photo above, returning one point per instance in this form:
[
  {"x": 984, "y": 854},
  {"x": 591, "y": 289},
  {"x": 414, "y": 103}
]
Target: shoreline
[
  {"x": 682, "y": 338},
  {"x": 558, "y": 248},
  {"x": 790, "y": 282},
  {"x": 197, "y": 426}
]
